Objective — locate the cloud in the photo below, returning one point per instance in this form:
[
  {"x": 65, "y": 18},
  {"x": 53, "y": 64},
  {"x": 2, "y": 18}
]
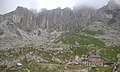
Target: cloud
[
  {"x": 9, "y": 5},
  {"x": 51, "y": 4},
  {"x": 118, "y": 1},
  {"x": 93, "y": 3}
]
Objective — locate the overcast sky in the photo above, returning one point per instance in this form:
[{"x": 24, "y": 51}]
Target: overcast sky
[{"x": 9, "y": 5}]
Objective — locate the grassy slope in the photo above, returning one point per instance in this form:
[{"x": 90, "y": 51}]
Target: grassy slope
[
  {"x": 37, "y": 67},
  {"x": 108, "y": 54},
  {"x": 81, "y": 39},
  {"x": 100, "y": 32}
]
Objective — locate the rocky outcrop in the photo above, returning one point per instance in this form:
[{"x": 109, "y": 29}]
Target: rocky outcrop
[
  {"x": 110, "y": 35},
  {"x": 112, "y": 4},
  {"x": 56, "y": 60},
  {"x": 12, "y": 36},
  {"x": 56, "y": 19},
  {"x": 109, "y": 14},
  {"x": 24, "y": 26},
  {"x": 63, "y": 19},
  {"x": 22, "y": 18}
]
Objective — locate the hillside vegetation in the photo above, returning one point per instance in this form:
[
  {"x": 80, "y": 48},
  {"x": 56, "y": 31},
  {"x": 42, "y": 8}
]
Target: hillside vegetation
[{"x": 82, "y": 43}]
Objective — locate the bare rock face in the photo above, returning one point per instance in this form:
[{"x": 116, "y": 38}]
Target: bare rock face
[
  {"x": 109, "y": 14},
  {"x": 9, "y": 33},
  {"x": 23, "y": 27},
  {"x": 63, "y": 19},
  {"x": 56, "y": 19},
  {"x": 112, "y": 4},
  {"x": 56, "y": 60},
  {"x": 23, "y": 18},
  {"x": 12, "y": 36},
  {"x": 110, "y": 37}
]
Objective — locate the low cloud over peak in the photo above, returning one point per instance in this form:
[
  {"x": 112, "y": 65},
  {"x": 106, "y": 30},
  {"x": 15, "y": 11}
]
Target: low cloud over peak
[{"x": 6, "y": 6}]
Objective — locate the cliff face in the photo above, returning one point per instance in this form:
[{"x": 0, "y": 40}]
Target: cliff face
[
  {"x": 109, "y": 14},
  {"x": 22, "y": 17},
  {"x": 26, "y": 25},
  {"x": 62, "y": 19},
  {"x": 56, "y": 19},
  {"x": 112, "y": 4}
]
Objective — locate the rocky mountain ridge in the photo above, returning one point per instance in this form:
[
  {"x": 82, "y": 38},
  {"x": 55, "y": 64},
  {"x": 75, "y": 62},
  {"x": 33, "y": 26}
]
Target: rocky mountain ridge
[
  {"x": 59, "y": 40},
  {"x": 23, "y": 27}
]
